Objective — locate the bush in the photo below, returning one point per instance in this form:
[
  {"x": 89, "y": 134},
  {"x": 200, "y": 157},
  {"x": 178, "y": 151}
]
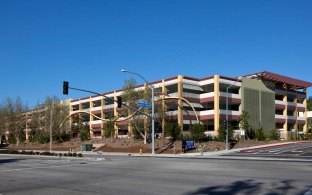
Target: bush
[
  {"x": 79, "y": 155},
  {"x": 259, "y": 135},
  {"x": 74, "y": 154},
  {"x": 173, "y": 130},
  {"x": 222, "y": 133},
  {"x": 12, "y": 139},
  {"x": 65, "y": 154},
  {"x": 40, "y": 137},
  {"x": 70, "y": 154},
  {"x": 250, "y": 133},
  {"x": 186, "y": 136},
  {"x": 197, "y": 132},
  {"x": 61, "y": 136},
  {"x": 273, "y": 134},
  {"x": 84, "y": 135},
  {"x": 60, "y": 154}
]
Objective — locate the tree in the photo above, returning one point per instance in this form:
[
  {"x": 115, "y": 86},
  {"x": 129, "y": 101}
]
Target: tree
[
  {"x": 243, "y": 120},
  {"x": 2, "y": 122},
  {"x": 109, "y": 129},
  {"x": 197, "y": 132},
  {"x": 14, "y": 119},
  {"x": 52, "y": 110},
  {"x": 84, "y": 133},
  {"x": 138, "y": 122},
  {"x": 222, "y": 133},
  {"x": 173, "y": 130}
]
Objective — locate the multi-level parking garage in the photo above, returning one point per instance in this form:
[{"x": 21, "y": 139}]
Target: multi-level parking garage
[{"x": 273, "y": 101}]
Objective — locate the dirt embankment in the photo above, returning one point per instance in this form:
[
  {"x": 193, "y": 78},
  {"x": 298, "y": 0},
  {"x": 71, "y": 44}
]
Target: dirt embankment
[{"x": 136, "y": 146}]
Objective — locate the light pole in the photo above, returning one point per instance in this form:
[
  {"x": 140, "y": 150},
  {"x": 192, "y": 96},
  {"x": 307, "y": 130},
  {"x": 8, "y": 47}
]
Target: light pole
[
  {"x": 153, "y": 109},
  {"x": 227, "y": 115}
]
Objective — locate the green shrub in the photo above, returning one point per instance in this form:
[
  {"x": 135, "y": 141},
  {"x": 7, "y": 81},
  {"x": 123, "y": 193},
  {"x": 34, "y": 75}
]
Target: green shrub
[
  {"x": 84, "y": 134},
  {"x": 109, "y": 129},
  {"x": 197, "y": 132},
  {"x": 60, "y": 154},
  {"x": 79, "y": 155},
  {"x": 65, "y": 154},
  {"x": 12, "y": 139},
  {"x": 173, "y": 130},
  {"x": 70, "y": 154},
  {"x": 273, "y": 134},
  {"x": 250, "y": 133},
  {"x": 74, "y": 154},
  {"x": 259, "y": 135},
  {"x": 222, "y": 133}
]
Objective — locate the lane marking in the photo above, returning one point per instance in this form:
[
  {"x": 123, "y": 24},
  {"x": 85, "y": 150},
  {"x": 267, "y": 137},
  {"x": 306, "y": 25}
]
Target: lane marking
[
  {"x": 309, "y": 192},
  {"x": 93, "y": 162}
]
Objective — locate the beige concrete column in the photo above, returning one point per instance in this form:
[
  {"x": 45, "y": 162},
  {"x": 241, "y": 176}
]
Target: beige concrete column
[
  {"x": 102, "y": 116},
  {"x": 305, "y": 127},
  {"x": 70, "y": 118},
  {"x": 27, "y": 135},
  {"x": 296, "y": 117},
  {"x": 180, "y": 102},
  {"x": 164, "y": 93},
  {"x": 285, "y": 127},
  {"x": 216, "y": 81},
  {"x": 90, "y": 117},
  {"x": 115, "y": 115},
  {"x": 26, "y": 130}
]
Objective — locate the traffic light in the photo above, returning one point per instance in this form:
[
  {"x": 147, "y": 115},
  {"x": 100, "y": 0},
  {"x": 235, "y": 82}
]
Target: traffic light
[
  {"x": 119, "y": 101},
  {"x": 224, "y": 124},
  {"x": 65, "y": 87}
]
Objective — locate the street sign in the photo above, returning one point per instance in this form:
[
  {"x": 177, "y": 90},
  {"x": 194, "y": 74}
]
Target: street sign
[{"x": 144, "y": 105}]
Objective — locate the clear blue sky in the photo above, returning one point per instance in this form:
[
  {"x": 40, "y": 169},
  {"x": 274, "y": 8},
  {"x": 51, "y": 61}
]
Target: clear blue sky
[{"x": 43, "y": 42}]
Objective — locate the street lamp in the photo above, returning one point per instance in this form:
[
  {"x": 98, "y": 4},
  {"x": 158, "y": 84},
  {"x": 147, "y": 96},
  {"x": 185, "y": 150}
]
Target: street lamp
[
  {"x": 227, "y": 115},
  {"x": 153, "y": 108}
]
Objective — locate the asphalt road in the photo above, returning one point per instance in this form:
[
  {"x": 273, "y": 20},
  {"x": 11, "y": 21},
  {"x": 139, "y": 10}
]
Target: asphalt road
[
  {"x": 292, "y": 151},
  {"x": 152, "y": 175}
]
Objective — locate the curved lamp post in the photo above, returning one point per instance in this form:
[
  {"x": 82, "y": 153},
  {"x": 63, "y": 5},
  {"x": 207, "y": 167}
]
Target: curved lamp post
[{"x": 153, "y": 111}]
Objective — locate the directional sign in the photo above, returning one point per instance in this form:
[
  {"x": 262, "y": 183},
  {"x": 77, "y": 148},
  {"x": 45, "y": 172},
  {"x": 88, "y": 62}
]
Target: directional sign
[{"x": 144, "y": 105}]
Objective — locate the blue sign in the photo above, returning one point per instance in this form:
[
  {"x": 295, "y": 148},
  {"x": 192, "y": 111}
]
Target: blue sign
[{"x": 144, "y": 105}]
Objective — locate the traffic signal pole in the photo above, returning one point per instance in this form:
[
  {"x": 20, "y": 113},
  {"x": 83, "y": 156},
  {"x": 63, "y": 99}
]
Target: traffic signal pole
[{"x": 118, "y": 101}]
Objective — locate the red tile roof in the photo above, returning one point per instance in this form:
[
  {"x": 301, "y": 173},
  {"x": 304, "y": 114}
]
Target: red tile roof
[{"x": 284, "y": 79}]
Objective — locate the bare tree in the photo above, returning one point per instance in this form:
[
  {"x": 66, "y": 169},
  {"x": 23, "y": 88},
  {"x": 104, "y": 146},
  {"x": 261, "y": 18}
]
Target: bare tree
[
  {"x": 40, "y": 122},
  {"x": 14, "y": 119},
  {"x": 131, "y": 96}
]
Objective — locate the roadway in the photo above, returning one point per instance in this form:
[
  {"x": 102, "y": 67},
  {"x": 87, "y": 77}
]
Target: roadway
[
  {"x": 292, "y": 151},
  {"x": 151, "y": 175}
]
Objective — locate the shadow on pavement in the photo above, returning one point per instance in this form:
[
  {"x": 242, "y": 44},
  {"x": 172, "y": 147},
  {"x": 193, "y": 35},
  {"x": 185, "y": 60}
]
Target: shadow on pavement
[
  {"x": 3, "y": 161},
  {"x": 247, "y": 187}
]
